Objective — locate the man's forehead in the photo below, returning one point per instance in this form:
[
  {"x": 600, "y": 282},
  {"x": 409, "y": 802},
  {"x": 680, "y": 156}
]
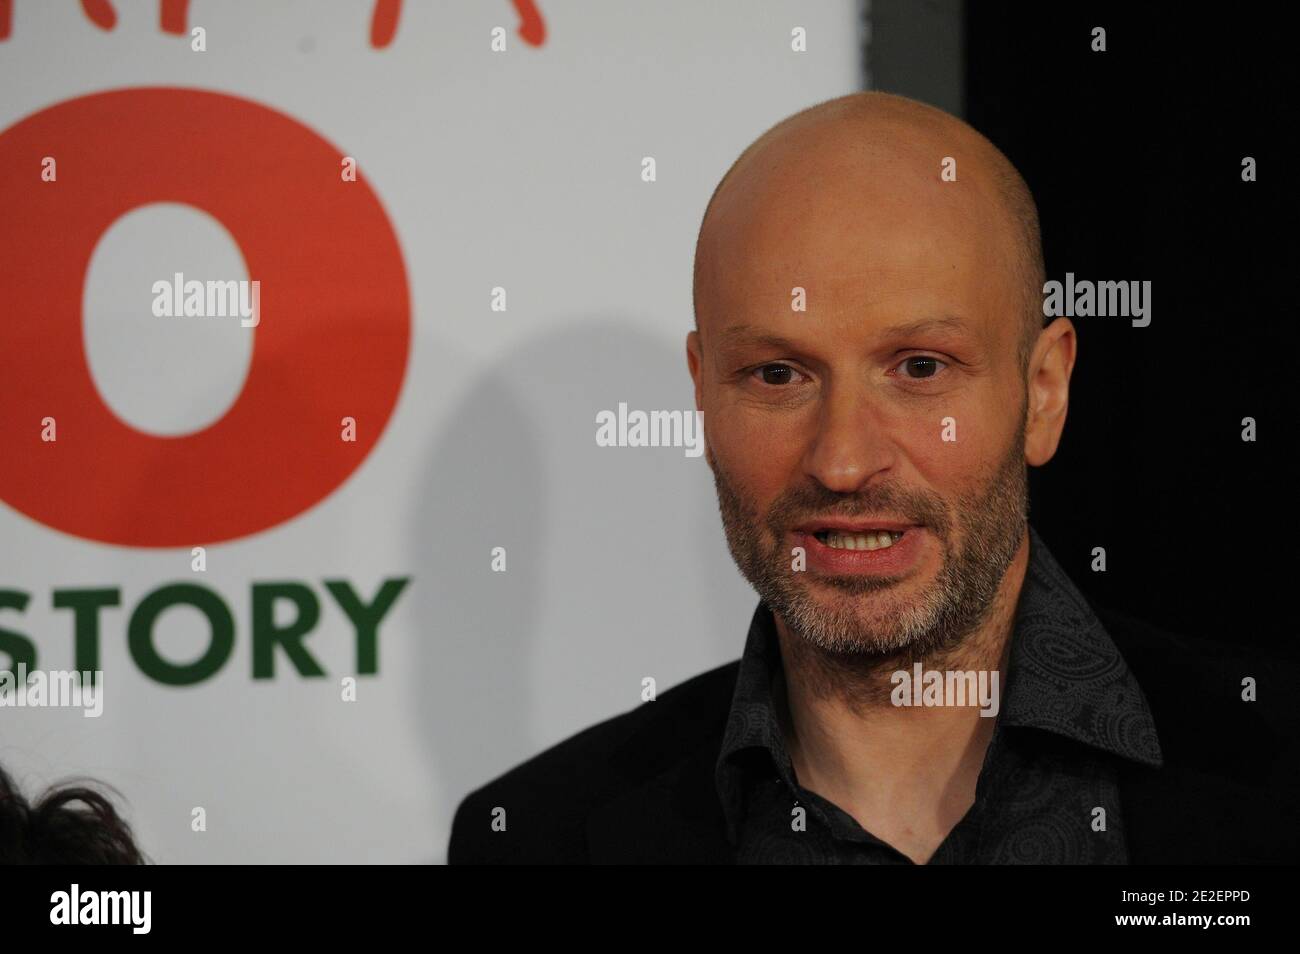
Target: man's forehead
[
  {"x": 876, "y": 279},
  {"x": 865, "y": 270}
]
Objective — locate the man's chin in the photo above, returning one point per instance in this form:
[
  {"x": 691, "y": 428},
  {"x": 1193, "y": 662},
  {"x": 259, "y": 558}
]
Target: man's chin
[
  {"x": 857, "y": 588},
  {"x": 855, "y": 615}
]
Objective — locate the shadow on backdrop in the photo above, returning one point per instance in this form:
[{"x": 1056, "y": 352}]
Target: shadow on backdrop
[{"x": 618, "y": 553}]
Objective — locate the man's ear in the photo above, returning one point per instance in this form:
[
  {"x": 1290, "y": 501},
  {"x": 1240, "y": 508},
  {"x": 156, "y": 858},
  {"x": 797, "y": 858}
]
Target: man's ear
[
  {"x": 694, "y": 361},
  {"x": 1048, "y": 384}
]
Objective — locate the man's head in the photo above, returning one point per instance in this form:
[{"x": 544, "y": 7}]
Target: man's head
[{"x": 869, "y": 356}]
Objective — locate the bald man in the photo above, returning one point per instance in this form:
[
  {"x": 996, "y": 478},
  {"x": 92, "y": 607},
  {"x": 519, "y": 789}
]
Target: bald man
[{"x": 921, "y": 683}]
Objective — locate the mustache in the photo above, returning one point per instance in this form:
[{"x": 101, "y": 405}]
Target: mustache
[{"x": 888, "y": 501}]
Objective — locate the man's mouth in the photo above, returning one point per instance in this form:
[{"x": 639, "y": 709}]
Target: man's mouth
[
  {"x": 862, "y": 546},
  {"x": 864, "y": 540}
]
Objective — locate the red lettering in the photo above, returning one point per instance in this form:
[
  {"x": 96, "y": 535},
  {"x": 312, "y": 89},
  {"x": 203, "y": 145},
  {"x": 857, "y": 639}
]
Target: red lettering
[{"x": 332, "y": 342}]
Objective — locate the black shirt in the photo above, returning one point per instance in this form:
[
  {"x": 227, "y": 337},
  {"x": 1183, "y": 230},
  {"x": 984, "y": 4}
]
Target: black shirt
[{"x": 1070, "y": 709}]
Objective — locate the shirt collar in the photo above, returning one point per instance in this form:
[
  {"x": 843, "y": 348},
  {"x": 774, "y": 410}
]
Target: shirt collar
[{"x": 1065, "y": 675}]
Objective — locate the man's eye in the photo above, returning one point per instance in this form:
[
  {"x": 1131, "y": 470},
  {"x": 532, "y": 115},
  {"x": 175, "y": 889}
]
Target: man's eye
[
  {"x": 921, "y": 366},
  {"x": 776, "y": 374}
]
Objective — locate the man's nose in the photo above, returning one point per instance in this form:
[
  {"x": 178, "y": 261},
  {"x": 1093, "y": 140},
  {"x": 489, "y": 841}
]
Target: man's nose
[{"x": 851, "y": 445}]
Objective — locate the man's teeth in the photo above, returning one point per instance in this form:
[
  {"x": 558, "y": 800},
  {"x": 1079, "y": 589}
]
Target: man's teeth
[{"x": 872, "y": 540}]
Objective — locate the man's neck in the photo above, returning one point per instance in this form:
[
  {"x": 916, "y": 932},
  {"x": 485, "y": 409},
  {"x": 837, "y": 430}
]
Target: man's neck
[{"x": 906, "y": 774}]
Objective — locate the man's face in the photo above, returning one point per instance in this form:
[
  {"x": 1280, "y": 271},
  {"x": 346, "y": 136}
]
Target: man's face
[{"x": 881, "y": 430}]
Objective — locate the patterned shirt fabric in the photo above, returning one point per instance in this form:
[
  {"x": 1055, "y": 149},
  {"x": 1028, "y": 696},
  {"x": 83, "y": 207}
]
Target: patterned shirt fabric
[{"x": 1070, "y": 708}]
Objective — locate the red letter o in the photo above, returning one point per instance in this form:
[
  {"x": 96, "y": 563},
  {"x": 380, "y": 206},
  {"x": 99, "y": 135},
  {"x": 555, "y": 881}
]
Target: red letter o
[{"x": 332, "y": 342}]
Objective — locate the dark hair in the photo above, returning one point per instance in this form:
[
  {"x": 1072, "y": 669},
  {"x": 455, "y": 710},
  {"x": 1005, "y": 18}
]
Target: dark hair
[{"x": 66, "y": 826}]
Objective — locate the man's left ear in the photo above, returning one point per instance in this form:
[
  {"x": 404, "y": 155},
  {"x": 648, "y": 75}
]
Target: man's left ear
[{"x": 1048, "y": 384}]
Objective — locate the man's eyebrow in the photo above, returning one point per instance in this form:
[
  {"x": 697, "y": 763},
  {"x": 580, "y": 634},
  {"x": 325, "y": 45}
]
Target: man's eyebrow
[
  {"x": 738, "y": 335},
  {"x": 950, "y": 323}
]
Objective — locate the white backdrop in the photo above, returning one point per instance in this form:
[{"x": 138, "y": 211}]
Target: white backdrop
[{"x": 520, "y": 170}]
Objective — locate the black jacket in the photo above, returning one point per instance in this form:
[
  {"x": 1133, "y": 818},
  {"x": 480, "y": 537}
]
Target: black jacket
[{"x": 639, "y": 787}]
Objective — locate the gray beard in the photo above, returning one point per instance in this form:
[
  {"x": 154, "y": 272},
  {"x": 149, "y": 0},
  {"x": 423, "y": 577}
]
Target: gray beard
[{"x": 989, "y": 523}]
